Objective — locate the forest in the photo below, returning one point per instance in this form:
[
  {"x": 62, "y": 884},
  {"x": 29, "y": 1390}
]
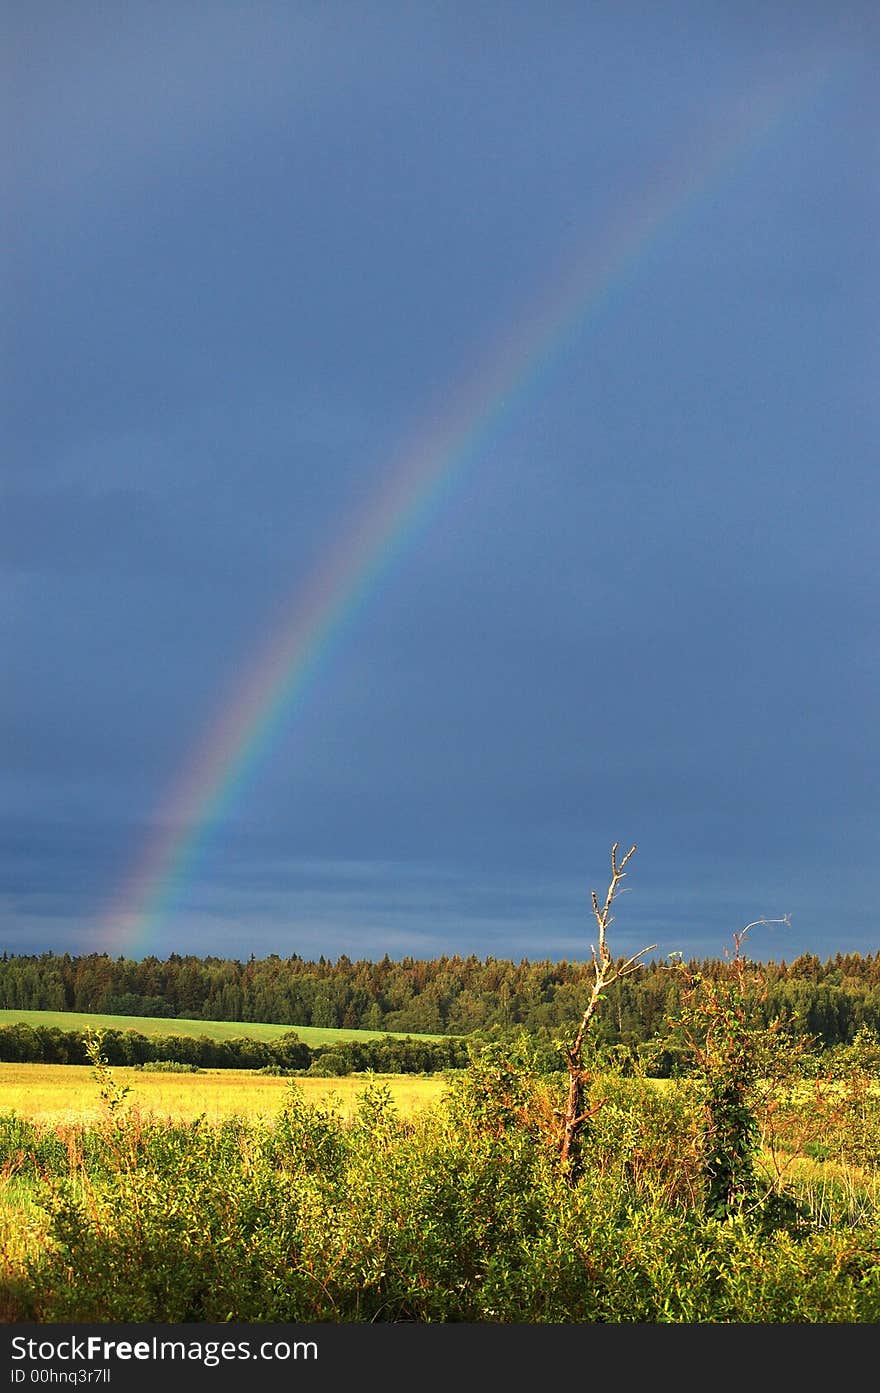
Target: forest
[{"x": 829, "y": 1000}]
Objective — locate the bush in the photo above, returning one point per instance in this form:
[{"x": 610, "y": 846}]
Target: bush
[
  {"x": 439, "y": 1219},
  {"x": 168, "y": 1066}
]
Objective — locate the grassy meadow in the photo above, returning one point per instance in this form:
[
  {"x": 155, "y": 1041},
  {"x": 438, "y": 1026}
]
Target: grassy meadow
[
  {"x": 63, "y": 1101},
  {"x": 311, "y": 1035},
  {"x": 53, "y": 1094},
  {"x": 747, "y": 1190},
  {"x": 348, "y": 1200}
]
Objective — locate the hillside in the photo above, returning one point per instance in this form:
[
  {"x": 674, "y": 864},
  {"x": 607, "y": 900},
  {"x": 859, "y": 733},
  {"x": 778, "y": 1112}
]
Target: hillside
[{"x": 215, "y": 1030}]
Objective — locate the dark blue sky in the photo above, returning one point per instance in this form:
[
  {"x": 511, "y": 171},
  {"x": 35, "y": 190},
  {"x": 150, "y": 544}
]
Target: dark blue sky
[{"x": 252, "y": 251}]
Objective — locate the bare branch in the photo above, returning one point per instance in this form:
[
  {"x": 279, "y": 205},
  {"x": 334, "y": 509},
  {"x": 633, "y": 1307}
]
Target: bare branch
[
  {"x": 605, "y": 974},
  {"x": 633, "y": 963}
]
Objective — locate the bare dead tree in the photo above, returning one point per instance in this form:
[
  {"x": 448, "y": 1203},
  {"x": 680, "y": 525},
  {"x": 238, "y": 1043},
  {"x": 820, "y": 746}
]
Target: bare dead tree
[{"x": 605, "y": 972}]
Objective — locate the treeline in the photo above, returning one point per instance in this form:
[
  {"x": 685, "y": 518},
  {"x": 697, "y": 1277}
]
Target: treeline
[
  {"x": 829, "y": 1000},
  {"x": 25, "y": 1044}
]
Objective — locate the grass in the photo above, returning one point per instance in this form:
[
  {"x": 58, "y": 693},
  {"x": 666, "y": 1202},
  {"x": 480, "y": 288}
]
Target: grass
[
  {"x": 53, "y": 1094},
  {"x": 24, "y": 1223},
  {"x": 216, "y": 1030},
  {"x": 60, "y": 1100},
  {"x": 57, "y": 1097}
]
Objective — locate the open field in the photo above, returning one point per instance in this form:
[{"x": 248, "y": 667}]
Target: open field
[
  {"x": 423, "y": 1212},
  {"x": 311, "y": 1035},
  {"x": 63, "y": 1093},
  {"x": 56, "y": 1096}
]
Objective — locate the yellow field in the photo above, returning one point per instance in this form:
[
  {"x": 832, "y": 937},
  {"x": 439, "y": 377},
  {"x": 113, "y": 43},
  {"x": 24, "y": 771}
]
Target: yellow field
[{"x": 52, "y": 1093}]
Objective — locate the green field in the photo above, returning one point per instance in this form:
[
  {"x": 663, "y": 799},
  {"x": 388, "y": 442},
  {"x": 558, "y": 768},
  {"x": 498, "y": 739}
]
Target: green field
[{"x": 311, "y": 1035}]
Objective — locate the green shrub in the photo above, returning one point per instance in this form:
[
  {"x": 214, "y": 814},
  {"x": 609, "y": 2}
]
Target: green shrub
[{"x": 168, "y": 1066}]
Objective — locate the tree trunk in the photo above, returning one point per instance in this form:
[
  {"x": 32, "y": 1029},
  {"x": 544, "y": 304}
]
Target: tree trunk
[{"x": 573, "y": 1121}]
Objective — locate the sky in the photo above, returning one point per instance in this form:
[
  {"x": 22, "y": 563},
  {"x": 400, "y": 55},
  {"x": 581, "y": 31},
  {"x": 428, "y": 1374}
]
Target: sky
[{"x": 440, "y": 441}]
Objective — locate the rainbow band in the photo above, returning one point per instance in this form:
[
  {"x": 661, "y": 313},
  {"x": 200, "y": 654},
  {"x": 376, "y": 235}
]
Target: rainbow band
[{"x": 418, "y": 482}]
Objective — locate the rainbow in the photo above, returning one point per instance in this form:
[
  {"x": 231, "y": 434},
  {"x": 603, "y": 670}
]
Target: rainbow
[{"x": 417, "y": 482}]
